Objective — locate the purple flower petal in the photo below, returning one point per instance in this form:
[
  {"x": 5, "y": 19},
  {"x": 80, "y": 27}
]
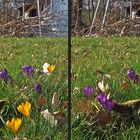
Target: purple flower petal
[
  {"x": 29, "y": 70},
  {"x": 132, "y": 75},
  {"x": 38, "y": 88},
  {"x": 4, "y": 75},
  {"x": 88, "y": 90},
  {"x": 102, "y": 98},
  {"x": 108, "y": 104}
]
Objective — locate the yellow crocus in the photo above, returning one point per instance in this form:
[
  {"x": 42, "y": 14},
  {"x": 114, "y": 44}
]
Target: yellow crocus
[
  {"x": 51, "y": 68},
  {"x": 48, "y": 68},
  {"x": 14, "y": 124},
  {"x": 25, "y": 108}
]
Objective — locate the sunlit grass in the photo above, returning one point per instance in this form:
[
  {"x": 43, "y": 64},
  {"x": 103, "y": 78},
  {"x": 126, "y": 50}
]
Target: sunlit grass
[
  {"x": 17, "y": 52},
  {"x": 114, "y": 56}
]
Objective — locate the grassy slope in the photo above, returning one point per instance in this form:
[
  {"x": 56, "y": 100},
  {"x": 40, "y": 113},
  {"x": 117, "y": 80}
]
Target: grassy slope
[
  {"x": 114, "y": 55},
  {"x": 16, "y": 52}
]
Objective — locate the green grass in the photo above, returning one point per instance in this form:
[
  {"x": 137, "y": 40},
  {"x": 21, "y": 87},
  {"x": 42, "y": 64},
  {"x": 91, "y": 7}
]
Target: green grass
[
  {"x": 111, "y": 55},
  {"x": 114, "y": 56},
  {"x": 17, "y": 52}
]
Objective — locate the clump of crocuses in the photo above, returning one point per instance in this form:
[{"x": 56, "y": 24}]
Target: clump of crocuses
[
  {"x": 29, "y": 70},
  {"x": 132, "y": 75},
  {"x": 88, "y": 91},
  {"x": 4, "y": 75},
  {"x": 108, "y": 104}
]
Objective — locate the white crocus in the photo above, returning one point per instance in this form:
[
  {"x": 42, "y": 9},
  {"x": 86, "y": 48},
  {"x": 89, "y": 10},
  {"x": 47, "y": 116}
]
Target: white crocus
[
  {"x": 103, "y": 87},
  {"x": 48, "y": 68}
]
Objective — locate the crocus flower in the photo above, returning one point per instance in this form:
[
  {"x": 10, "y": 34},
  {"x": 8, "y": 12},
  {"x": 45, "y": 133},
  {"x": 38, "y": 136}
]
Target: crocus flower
[
  {"x": 88, "y": 91},
  {"x": 38, "y": 88},
  {"x": 103, "y": 87},
  {"x": 4, "y": 75},
  {"x": 108, "y": 104},
  {"x": 14, "y": 124},
  {"x": 48, "y": 68},
  {"x": 29, "y": 70},
  {"x": 25, "y": 108},
  {"x": 132, "y": 75}
]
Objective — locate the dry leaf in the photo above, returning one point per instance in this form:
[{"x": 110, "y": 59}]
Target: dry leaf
[
  {"x": 22, "y": 90},
  {"x": 99, "y": 73},
  {"x": 125, "y": 85},
  {"x": 107, "y": 76},
  {"x": 49, "y": 117},
  {"x": 59, "y": 78},
  {"x": 16, "y": 138},
  {"x": 98, "y": 91},
  {"x": 40, "y": 102},
  {"x": 76, "y": 90},
  {"x": 24, "y": 138},
  {"x": 55, "y": 100},
  {"x": 74, "y": 76},
  {"x": 84, "y": 106},
  {"x": 59, "y": 115},
  {"x": 104, "y": 118},
  {"x": 91, "y": 117},
  {"x": 65, "y": 104}
]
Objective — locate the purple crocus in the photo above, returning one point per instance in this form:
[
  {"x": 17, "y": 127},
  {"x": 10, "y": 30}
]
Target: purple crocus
[
  {"x": 108, "y": 104},
  {"x": 29, "y": 70},
  {"x": 88, "y": 91},
  {"x": 38, "y": 88},
  {"x": 4, "y": 75},
  {"x": 132, "y": 75}
]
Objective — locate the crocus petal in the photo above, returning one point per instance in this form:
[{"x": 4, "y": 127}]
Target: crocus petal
[
  {"x": 45, "y": 67},
  {"x": 20, "y": 108},
  {"x": 48, "y": 68},
  {"x": 103, "y": 87},
  {"x": 108, "y": 104},
  {"x": 4, "y": 75},
  {"x": 51, "y": 68},
  {"x": 88, "y": 90},
  {"x": 132, "y": 75},
  {"x": 24, "y": 108},
  {"x": 38, "y": 88},
  {"x": 29, "y": 70},
  {"x": 14, "y": 124}
]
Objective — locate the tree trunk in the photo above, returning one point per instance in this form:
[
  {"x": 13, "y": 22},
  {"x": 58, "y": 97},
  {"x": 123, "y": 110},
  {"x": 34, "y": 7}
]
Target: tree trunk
[{"x": 77, "y": 12}]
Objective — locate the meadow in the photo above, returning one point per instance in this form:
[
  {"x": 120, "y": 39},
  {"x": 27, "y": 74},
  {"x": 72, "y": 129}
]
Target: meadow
[
  {"x": 109, "y": 60},
  {"x": 93, "y": 60},
  {"x": 26, "y": 91}
]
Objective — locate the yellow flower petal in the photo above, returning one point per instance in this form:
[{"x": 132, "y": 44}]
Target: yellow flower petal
[
  {"x": 14, "y": 124},
  {"x": 28, "y": 105},
  {"x": 24, "y": 108},
  {"x": 51, "y": 68}
]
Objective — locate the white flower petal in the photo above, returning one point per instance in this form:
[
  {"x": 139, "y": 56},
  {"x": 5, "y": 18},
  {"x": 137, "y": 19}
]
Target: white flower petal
[
  {"x": 103, "y": 87},
  {"x": 45, "y": 67}
]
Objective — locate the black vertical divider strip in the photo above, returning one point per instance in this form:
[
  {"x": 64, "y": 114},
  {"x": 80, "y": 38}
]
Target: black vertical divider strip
[{"x": 69, "y": 68}]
